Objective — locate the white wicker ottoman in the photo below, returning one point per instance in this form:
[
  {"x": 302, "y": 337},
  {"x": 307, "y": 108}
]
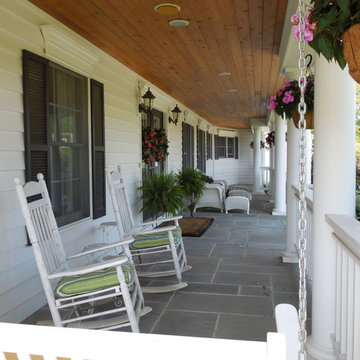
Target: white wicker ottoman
[{"x": 237, "y": 202}]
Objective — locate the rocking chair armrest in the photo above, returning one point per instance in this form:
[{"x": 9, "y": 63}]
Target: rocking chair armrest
[
  {"x": 159, "y": 221},
  {"x": 119, "y": 260},
  {"x": 126, "y": 241},
  {"x": 154, "y": 231}
]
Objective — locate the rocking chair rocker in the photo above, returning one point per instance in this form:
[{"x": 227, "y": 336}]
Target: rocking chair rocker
[
  {"x": 153, "y": 247},
  {"x": 78, "y": 297}
]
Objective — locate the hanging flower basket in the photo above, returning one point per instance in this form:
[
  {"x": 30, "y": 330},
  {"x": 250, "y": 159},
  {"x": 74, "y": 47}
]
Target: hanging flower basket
[
  {"x": 263, "y": 145},
  {"x": 154, "y": 145},
  {"x": 287, "y": 98},
  {"x": 309, "y": 117},
  {"x": 270, "y": 139},
  {"x": 351, "y": 41}
]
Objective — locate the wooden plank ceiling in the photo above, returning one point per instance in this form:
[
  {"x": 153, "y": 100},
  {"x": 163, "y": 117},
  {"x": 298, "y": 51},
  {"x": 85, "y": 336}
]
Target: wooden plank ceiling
[{"x": 241, "y": 37}]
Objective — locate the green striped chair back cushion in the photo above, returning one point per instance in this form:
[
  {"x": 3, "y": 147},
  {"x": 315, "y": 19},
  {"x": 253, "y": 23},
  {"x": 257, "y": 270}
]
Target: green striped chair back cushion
[
  {"x": 158, "y": 239},
  {"x": 96, "y": 280}
]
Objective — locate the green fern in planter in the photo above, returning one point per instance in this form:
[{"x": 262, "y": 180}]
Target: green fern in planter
[
  {"x": 162, "y": 194},
  {"x": 193, "y": 184}
]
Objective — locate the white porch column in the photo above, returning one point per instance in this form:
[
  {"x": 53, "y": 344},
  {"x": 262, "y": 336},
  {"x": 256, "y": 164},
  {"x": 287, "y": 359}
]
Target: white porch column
[
  {"x": 334, "y": 191},
  {"x": 280, "y": 180},
  {"x": 257, "y": 161},
  {"x": 292, "y": 175}
]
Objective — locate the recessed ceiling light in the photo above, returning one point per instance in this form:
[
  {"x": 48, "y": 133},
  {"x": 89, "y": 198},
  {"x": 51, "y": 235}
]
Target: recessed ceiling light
[
  {"x": 231, "y": 90},
  {"x": 179, "y": 22},
  {"x": 224, "y": 73},
  {"x": 167, "y": 9}
]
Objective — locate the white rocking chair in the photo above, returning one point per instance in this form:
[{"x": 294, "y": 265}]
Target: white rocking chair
[
  {"x": 79, "y": 297},
  {"x": 153, "y": 247}
]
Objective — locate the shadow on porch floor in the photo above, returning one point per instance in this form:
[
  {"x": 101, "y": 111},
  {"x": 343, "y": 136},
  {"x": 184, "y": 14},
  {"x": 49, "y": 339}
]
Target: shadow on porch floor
[{"x": 236, "y": 280}]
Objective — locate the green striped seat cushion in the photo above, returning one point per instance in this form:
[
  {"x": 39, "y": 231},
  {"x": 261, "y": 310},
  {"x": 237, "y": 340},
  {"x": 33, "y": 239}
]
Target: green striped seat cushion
[
  {"x": 158, "y": 239},
  {"x": 96, "y": 280}
]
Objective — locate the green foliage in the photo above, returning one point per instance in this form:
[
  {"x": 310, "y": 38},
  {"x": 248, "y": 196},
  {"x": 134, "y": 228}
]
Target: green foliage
[
  {"x": 332, "y": 19},
  {"x": 193, "y": 184},
  {"x": 207, "y": 179},
  {"x": 287, "y": 98},
  {"x": 358, "y": 204},
  {"x": 162, "y": 194}
]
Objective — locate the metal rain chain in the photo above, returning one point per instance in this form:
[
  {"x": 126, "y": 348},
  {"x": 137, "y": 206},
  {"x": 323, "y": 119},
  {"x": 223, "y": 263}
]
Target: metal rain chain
[{"x": 302, "y": 183}]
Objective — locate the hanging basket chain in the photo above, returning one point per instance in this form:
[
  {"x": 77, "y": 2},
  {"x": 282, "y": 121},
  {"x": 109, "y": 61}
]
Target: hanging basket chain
[{"x": 302, "y": 185}]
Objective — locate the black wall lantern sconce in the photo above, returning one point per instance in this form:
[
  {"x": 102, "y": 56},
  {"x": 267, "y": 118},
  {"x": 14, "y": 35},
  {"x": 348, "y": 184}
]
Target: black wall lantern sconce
[
  {"x": 175, "y": 113},
  {"x": 148, "y": 98}
]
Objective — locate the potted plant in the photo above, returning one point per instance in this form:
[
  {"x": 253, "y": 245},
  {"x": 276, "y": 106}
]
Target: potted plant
[
  {"x": 154, "y": 145},
  {"x": 161, "y": 194},
  {"x": 332, "y": 29},
  {"x": 270, "y": 139},
  {"x": 193, "y": 185},
  {"x": 263, "y": 145},
  {"x": 287, "y": 99}
]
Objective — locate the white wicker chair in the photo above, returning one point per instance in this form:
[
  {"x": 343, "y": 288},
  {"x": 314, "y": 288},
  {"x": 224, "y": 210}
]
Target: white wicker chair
[
  {"x": 160, "y": 251},
  {"x": 213, "y": 196},
  {"x": 78, "y": 297}
]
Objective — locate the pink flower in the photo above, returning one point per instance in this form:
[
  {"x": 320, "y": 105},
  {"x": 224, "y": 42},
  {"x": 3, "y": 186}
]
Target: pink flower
[
  {"x": 288, "y": 97},
  {"x": 272, "y": 104},
  {"x": 295, "y": 19},
  {"x": 287, "y": 83},
  {"x": 308, "y": 27},
  {"x": 279, "y": 93},
  {"x": 308, "y": 34}
]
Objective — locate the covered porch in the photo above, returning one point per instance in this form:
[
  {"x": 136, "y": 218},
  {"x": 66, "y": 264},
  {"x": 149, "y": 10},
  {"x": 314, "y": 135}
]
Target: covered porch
[{"x": 244, "y": 264}]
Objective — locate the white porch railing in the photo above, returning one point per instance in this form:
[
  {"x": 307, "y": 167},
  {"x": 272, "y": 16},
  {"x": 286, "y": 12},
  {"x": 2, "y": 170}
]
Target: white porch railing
[
  {"x": 347, "y": 326},
  {"x": 79, "y": 344},
  {"x": 309, "y": 233}
]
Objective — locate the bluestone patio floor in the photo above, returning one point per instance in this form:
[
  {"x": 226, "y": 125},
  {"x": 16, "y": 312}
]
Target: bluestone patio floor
[{"x": 237, "y": 278}]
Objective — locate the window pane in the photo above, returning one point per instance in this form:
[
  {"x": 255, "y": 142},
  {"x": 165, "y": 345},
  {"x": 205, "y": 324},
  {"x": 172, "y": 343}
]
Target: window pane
[
  {"x": 69, "y": 151},
  {"x": 230, "y": 147},
  {"x": 221, "y": 145},
  {"x": 66, "y": 184}
]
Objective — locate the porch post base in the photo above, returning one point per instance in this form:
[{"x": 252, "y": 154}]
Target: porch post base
[
  {"x": 279, "y": 212},
  {"x": 290, "y": 257},
  {"x": 316, "y": 351}
]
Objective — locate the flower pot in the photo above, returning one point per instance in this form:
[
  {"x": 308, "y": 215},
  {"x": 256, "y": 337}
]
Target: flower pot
[
  {"x": 309, "y": 117},
  {"x": 351, "y": 41}
]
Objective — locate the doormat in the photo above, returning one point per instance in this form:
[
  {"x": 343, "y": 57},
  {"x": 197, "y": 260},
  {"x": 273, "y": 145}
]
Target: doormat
[{"x": 192, "y": 226}]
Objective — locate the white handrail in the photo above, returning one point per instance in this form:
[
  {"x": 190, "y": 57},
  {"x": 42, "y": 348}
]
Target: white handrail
[
  {"x": 80, "y": 344},
  {"x": 347, "y": 317}
]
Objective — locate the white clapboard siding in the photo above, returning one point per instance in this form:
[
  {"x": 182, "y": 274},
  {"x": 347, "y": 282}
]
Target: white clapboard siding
[
  {"x": 11, "y": 121},
  {"x": 10, "y": 81},
  {"x": 12, "y": 239},
  {"x": 11, "y": 141},
  {"x": 19, "y": 274}
]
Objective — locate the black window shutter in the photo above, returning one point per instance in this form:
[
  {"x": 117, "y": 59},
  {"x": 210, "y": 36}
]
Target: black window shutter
[
  {"x": 98, "y": 148},
  {"x": 236, "y": 148},
  {"x": 216, "y": 138},
  {"x": 35, "y": 115},
  {"x": 192, "y": 147},
  {"x": 198, "y": 148}
]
